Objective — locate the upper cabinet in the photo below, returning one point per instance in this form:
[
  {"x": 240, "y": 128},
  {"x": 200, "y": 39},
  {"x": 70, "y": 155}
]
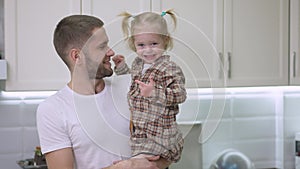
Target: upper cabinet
[
  {"x": 231, "y": 42},
  {"x": 218, "y": 43},
  {"x": 294, "y": 42},
  {"x": 255, "y": 44},
  {"x": 195, "y": 36},
  {"x": 32, "y": 61},
  {"x": 197, "y": 39},
  {"x": 109, "y": 12}
]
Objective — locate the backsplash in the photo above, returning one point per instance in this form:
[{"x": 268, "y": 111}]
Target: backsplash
[
  {"x": 259, "y": 122},
  {"x": 18, "y": 131},
  {"x": 291, "y": 123}
]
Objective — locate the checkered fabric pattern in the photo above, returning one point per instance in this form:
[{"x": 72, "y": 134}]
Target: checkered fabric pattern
[{"x": 154, "y": 129}]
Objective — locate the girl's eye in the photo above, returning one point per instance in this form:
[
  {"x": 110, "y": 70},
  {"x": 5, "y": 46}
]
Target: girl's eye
[
  {"x": 141, "y": 45},
  {"x": 154, "y": 44}
]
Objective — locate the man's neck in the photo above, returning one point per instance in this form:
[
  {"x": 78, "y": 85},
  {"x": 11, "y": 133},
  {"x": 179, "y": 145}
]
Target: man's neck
[
  {"x": 87, "y": 88},
  {"x": 99, "y": 86}
]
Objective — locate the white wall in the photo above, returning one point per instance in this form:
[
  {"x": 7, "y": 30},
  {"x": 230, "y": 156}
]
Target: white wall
[{"x": 260, "y": 122}]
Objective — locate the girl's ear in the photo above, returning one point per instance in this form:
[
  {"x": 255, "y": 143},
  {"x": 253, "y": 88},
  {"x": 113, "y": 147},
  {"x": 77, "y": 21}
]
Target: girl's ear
[{"x": 167, "y": 41}]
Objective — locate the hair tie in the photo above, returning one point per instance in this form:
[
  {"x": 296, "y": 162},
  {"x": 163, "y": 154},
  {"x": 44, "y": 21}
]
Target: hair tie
[{"x": 163, "y": 13}]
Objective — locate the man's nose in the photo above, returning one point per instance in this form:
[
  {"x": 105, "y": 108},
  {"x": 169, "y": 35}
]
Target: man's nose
[{"x": 110, "y": 52}]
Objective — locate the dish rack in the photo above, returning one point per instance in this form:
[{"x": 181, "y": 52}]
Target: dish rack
[{"x": 29, "y": 164}]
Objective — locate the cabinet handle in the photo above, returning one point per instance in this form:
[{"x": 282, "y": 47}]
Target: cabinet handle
[
  {"x": 229, "y": 65},
  {"x": 294, "y": 64},
  {"x": 221, "y": 65}
]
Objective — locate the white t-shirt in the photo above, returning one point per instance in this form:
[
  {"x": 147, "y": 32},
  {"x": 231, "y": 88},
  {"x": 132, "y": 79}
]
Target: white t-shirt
[
  {"x": 95, "y": 126},
  {"x": 146, "y": 67}
]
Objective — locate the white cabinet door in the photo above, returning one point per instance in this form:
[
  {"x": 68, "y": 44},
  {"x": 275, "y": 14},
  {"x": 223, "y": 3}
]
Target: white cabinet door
[
  {"x": 294, "y": 42},
  {"x": 251, "y": 37},
  {"x": 197, "y": 39},
  {"x": 32, "y": 61},
  {"x": 256, "y": 42},
  {"x": 108, "y": 11}
]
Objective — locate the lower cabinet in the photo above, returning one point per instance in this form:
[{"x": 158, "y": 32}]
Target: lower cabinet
[{"x": 191, "y": 156}]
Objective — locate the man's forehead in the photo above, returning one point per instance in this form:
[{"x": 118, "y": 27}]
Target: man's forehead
[{"x": 99, "y": 35}]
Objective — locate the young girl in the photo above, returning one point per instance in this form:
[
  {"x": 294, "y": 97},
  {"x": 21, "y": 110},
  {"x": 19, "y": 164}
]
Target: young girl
[{"x": 157, "y": 86}]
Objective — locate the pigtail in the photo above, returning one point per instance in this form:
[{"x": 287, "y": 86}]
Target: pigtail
[
  {"x": 173, "y": 16},
  {"x": 125, "y": 23},
  {"x": 169, "y": 39}
]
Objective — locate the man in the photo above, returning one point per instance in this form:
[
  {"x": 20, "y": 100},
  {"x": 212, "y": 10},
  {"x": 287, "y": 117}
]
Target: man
[{"x": 66, "y": 135}]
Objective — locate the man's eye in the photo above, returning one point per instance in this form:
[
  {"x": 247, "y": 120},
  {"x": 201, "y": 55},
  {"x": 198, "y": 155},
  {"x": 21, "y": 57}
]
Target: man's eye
[{"x": 102, "y": 47}]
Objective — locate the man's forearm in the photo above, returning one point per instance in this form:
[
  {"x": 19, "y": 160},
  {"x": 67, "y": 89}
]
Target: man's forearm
[{"x": 135, "y": 163}]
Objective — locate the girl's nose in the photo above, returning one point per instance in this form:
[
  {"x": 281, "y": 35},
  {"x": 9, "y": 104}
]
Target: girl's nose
[{"x": 148, "y": 49}]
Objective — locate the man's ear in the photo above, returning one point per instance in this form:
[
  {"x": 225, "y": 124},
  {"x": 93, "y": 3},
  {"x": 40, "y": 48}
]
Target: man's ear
[{"x": 74, "y": 54}]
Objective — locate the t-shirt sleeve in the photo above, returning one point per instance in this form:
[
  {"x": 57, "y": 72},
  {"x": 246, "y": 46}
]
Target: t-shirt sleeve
[{"x": 52, "y": 128}]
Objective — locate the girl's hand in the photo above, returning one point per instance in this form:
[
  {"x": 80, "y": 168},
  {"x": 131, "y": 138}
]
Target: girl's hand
[
  {"x": 118, "y": 60},
  {"x": 146, "y": 89}
]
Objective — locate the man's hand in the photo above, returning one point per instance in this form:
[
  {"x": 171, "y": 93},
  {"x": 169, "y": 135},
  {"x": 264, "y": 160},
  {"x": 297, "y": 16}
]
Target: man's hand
[{"x": 136, "y": 163}]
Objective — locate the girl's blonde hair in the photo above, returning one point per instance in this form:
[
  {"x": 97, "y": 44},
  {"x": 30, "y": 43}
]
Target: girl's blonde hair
[{"x": 147, "y": 22}]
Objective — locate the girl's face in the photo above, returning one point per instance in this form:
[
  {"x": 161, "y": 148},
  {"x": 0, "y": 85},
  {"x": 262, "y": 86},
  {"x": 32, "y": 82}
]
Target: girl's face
[{"x": 149, "y": 46}]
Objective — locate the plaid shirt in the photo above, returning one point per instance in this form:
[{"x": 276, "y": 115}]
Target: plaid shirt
[{"x": 154, "y": 118}]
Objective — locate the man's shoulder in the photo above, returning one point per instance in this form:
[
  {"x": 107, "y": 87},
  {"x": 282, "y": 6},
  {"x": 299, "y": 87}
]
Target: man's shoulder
[
  {"x": 118, "y": 86},
  {"x": 55, "y": 99},
  {"x": 118, "y": 81}
]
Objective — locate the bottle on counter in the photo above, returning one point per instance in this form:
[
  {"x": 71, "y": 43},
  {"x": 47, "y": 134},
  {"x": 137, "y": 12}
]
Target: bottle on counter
[{"x": 39, "y": 158}]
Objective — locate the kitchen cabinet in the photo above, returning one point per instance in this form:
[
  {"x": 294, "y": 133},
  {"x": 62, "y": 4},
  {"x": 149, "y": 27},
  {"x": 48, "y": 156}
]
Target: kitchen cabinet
[
  {"x": 32, "y": 61},
  {"x": 255, "y": 44},
  {"x": 108, "y": 11},
  {"x": 197, "y": 40},
  {"x": 29, "y": 25},
  {"x": 218, "y": 43},
  {"x": 294, "y": 42},
  {"x": 250, "y": 36},
  {"x": 197, "y": 61}
]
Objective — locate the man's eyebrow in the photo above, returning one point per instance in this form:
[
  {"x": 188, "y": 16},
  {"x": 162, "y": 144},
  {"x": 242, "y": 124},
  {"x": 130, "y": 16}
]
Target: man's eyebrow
[{"x": 103, "y": 43}]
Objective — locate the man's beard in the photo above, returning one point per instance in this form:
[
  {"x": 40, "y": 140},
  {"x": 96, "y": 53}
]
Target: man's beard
[
  {"x": 99, "y": 72},
  {"x": 103, "y": 72}
]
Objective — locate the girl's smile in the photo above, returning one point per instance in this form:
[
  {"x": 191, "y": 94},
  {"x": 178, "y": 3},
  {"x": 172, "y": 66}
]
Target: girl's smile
[{"x": 149, "y": 46}]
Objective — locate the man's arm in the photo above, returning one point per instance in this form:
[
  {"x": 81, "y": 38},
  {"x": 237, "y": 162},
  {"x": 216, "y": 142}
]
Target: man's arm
[
  {"x": 60, "y": 159},
  {"x": 163, "y": 163},
  {"x": 138, "y": 163},
  {"x": 64, "y": 158}
]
